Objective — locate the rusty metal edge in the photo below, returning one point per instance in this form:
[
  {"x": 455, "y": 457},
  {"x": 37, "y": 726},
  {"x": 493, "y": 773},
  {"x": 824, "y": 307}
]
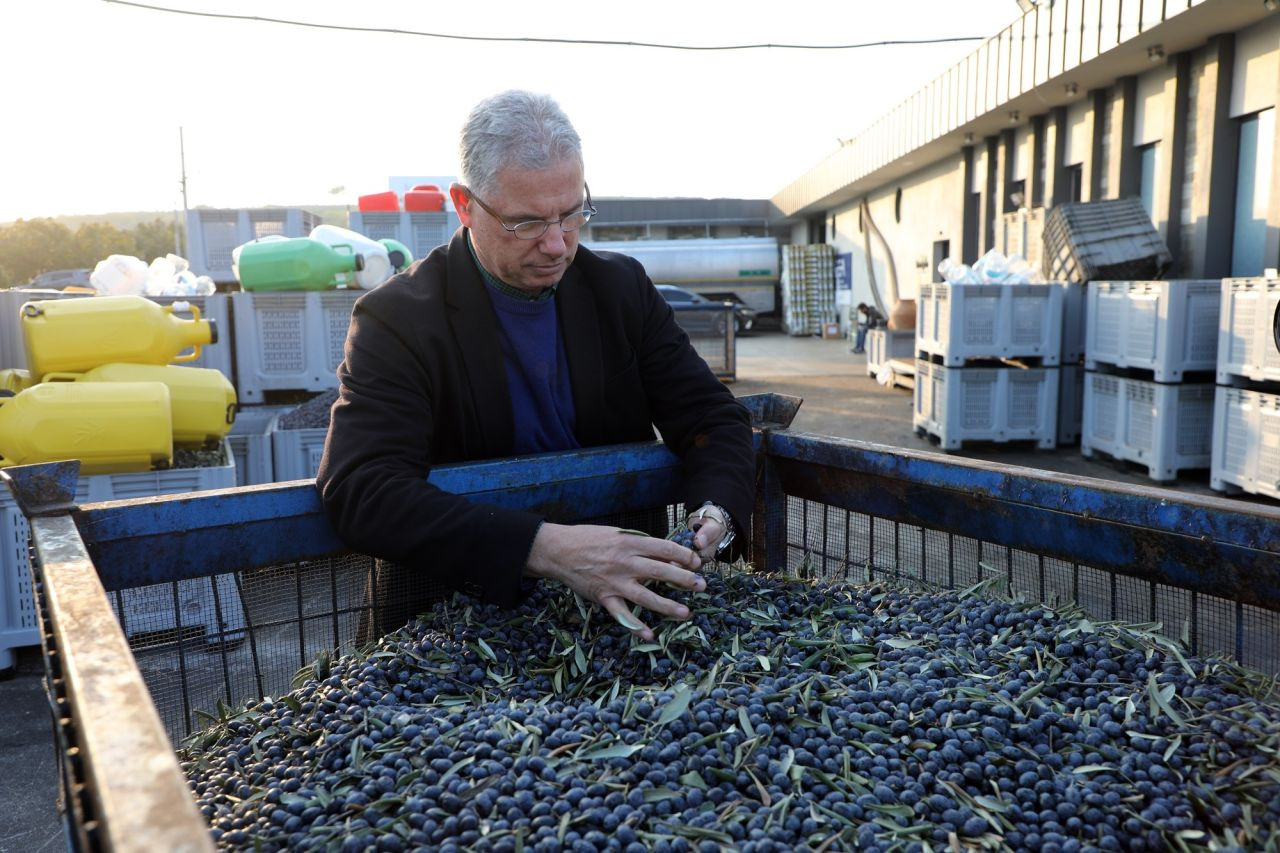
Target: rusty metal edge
[{"x": 130, "y": 772}]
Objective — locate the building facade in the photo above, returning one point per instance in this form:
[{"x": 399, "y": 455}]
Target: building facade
[{"x": 1172, "y": 101}]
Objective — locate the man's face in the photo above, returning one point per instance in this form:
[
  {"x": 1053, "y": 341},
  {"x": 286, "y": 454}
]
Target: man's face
[{"x": 518, "y": 195}]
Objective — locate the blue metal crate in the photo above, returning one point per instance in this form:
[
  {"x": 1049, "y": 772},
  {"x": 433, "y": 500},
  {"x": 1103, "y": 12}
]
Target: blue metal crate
[{"x": 824, "y": 506}]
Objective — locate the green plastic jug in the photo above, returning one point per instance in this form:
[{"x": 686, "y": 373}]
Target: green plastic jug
[
  {"x": 398, "y": 253},
  {"x": 297, "y": 263}
]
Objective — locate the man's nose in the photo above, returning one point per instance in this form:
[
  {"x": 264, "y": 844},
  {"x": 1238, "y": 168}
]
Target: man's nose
[{"x": 553, "y": 241}]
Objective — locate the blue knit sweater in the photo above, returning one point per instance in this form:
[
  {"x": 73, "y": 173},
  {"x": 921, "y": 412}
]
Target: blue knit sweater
[{"x": 537, "y": 373}]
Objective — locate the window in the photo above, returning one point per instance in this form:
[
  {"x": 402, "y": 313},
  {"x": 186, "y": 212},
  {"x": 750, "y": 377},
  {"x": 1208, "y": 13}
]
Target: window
[
  {"x": 1075, "y": 182},
  {"x": 1147, "y": 165},
  {"x": 1017, "y": 196},
  {"x": 941, "y": 251},
  {"x": 605, "y": 233},
  {"x": 686, "y": 232},
  {"x": 1253, "y": 193}
]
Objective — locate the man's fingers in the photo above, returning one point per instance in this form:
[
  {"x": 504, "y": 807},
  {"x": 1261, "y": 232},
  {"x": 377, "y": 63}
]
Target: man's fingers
[
  {"x": 674, "y": 576},
  {"x": 651, "y": 601},
  {"x": 623, "y": 615}
]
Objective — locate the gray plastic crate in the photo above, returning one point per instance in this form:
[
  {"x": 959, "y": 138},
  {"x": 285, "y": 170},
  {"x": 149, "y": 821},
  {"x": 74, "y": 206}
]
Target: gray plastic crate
[
  {"x": 146, "y": 610},
  {"x": 1070, "y": 403},
  {"x": 212, "y": 234},
  {"x": 884, "y": 346},
  {"x": 289, "y": 341},
  {"x": 1112, "y": 239},
  {"x": 1246, "y": 442},
  {"x": 1165, "y": 427},
  {"x": 420, "y": 231},
  {"x": 1167, "y": 327},
  {"x": 1073, "y": 321},
  {"x": 1000, "y": 404},
  {"x": 296, "y": 452},
  {"x": 250, "y": 441},
  {"x": 1246, "y": 330},
  {"x": 961, "y": 322}
]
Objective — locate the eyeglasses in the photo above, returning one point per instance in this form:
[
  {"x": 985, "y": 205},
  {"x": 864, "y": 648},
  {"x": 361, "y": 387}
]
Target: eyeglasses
[{"x": 533, "y": 229}]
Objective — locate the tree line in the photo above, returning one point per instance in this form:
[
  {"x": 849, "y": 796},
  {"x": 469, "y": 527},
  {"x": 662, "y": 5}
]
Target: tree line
[{"x": 29, "y": 247}]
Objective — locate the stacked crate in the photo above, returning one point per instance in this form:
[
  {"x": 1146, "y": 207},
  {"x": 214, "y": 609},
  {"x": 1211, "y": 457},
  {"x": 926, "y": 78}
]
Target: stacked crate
[
  {"x": 1071, "y": 364},
  {"x": 808, "y": 288},
  {"x": 204, "y": 607},
  {"x": 987, "y": 359},
  {"x": 1150, "y": 351},
  {"x": 1246, "y": 410}
]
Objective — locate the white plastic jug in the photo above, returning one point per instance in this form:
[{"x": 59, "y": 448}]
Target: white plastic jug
[{"x": 377, "y": 263}]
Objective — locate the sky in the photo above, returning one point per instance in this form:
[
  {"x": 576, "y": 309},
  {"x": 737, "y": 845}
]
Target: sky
[{"x": 96, "y": 92}]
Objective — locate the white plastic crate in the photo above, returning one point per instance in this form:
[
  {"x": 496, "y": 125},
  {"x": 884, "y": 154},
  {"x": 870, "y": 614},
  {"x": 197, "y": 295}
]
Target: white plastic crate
[
  {"x": 961, "y": 322},
  {"x": 959, "y": 404},
  {"x": 1167, "y": 327},
  {"x": 296, "y": 452},
  {"x": 1073, "y": 321},
  {"x": 1246, "y": 330},
  {"x": 1070, "y": 403},
  {"x": 250, "y": 442},
  {"x": 1246, "y": 442},
  {"x": 289, "y": 341},
  {"x": 1166, "y": 427},
  {"x": 420, "y": 231},
  {"x": 883, "y": 346},
  {"x": 212, "y": 234},
  {"x": 146, "y": 611}
]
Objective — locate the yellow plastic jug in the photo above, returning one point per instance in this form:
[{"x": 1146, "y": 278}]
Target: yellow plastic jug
[
  {"x": 13, "y": 380},
  {"x": 202, "y": 401},
  {"x": 110, "y": 428},
  {"x": 75, "y": 335}
]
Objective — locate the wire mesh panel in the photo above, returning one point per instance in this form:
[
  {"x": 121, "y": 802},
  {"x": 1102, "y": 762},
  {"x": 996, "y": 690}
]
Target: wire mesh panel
[
  {"x": 294, "y": 614},
  {"x": 291, "y": 613},
  {"x": 828, "y": 541}
]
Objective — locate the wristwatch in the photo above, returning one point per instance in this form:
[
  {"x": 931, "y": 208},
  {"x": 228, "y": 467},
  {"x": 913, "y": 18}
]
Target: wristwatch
[{"x": 718, "y": 513}]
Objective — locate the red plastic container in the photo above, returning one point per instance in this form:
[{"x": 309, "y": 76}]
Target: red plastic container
[
  {"x": 424, "y": 201},
  {"x": 428, "y": 188},
  {"x": 379, "y": 203}
]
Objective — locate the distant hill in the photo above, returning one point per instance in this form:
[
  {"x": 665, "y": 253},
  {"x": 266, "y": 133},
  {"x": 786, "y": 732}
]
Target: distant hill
[{"x": 333, "y": 214}]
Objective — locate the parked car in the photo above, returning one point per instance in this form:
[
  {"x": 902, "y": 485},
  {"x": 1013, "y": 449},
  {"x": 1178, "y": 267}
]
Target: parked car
[
  {"x": 744, "y": 317},
  {"x": 58, "y": 279}
]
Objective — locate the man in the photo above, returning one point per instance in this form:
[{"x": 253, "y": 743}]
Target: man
[
  {"x": 510, "y": 340},
  {"x": 867, "y": 318}
]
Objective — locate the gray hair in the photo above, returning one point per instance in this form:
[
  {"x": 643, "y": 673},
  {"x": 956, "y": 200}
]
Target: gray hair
[{"x": 518, "y": 129}]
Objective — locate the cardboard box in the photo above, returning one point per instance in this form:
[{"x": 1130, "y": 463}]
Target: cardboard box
[{"x": 830, "y": 330}]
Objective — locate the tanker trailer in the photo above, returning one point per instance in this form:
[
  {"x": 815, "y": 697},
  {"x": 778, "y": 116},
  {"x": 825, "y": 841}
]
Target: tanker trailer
[{"x": 746, "y": 267}]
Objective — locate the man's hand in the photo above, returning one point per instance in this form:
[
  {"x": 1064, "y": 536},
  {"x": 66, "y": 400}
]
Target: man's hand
[
  {"x": 707, "y": 533},
  {"x": 610, "y": 567}
]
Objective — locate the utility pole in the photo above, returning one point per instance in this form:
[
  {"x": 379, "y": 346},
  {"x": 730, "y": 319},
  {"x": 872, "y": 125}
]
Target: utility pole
[{"x": 182, "y": 157}]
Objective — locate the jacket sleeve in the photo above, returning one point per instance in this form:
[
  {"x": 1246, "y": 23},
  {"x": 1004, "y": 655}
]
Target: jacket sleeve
[
  {"x": 697, "y": 416},
  {"x": 378, "y": 453}
]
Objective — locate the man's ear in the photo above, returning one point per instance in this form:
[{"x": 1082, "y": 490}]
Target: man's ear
[{"x": 461, "y": 203}]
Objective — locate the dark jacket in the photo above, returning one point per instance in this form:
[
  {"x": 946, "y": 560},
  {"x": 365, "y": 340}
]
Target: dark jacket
[{"x": 423, "y": 382}]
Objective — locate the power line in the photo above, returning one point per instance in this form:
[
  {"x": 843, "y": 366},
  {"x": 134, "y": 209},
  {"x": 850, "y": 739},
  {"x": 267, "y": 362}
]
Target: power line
[{"x": 533, "y": 39}]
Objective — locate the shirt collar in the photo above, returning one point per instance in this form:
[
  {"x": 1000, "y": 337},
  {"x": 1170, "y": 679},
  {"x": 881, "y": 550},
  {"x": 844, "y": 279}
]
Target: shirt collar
[{"x": 501, "y": 286}]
